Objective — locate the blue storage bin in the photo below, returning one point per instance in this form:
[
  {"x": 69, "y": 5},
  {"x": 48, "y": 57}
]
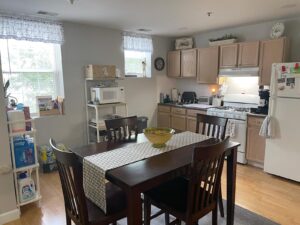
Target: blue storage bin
[{"x": 24, "y": 152}]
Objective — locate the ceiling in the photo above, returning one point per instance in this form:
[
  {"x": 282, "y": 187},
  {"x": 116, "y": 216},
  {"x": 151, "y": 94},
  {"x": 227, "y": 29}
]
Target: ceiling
[{"x": 162, "y": 17}]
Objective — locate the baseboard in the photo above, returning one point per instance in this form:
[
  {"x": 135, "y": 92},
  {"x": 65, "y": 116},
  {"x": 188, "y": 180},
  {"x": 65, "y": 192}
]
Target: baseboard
[{"x": 9, "y": 216}]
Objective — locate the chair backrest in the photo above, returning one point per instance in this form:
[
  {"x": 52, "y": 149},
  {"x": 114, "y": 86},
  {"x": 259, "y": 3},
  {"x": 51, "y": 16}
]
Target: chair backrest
[
  {"x": 205, "y": 178},
  {"x": 212, "y": 126},
  {"x": 122, "y": 129},
  {"x": 70, "y": 173}
]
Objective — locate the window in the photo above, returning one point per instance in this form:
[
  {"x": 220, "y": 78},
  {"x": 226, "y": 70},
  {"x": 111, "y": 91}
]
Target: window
[
  {"x": 137, "y": 54},
  {"x": 33, "y": 69}
]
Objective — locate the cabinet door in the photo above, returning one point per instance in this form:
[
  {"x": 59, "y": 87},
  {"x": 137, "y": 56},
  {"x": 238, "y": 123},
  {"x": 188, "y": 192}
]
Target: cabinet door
[
  {"x": 189, "y": 63},
  {"x": 248, "y": 54},
  {"x": 191, "y": 124},
  {"x": 174, "y": 64},
  {"x": 178, "y": 122},
  {"x": 255, "y": 145},
  {"x": 228, "y": 55},
  {"x": 207, "y": 65},
  {"x": 271, "y": 51},
  {"x": 163, "y": 119}
]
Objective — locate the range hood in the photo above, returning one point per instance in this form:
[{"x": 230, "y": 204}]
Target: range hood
[{"x": 239, "y": 72}]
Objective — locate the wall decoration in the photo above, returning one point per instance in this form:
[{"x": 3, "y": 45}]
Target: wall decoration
[
  {"x": 159, "y": 63},
  {"x": 184, "y": 43}
]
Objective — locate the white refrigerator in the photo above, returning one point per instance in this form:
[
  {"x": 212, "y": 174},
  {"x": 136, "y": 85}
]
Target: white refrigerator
[{"x": 282, "y": 155}]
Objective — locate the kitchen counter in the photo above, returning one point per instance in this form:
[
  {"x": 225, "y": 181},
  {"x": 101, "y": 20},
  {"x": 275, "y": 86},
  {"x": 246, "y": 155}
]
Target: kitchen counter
[
  {"x": 257, "y": 115},
  {"x": 185, "y": 106}
]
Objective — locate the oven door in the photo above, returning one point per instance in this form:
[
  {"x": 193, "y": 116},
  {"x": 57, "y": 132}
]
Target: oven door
[{"x": 237, "y": 130}]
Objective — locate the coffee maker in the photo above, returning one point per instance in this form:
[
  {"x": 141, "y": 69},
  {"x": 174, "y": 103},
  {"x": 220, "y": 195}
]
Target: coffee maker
[{"x": 264, "y": 95}]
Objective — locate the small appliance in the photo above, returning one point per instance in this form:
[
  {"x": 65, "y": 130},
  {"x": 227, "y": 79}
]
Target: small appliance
[
  {"x": 105, "y": 95},
  {"x": 263, "y": 106},
  {"x": 189, "y": 97},
  {"x": 206, "y": 100}
]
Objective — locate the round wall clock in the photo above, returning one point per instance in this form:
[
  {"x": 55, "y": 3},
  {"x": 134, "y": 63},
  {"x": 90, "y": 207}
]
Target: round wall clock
[
  {"x": 277, "y": 30},
  {"x": 159, "y": 63}
]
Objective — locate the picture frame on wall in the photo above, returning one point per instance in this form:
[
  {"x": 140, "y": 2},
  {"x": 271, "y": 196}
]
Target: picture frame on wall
[{"x": 184, "y": 43}]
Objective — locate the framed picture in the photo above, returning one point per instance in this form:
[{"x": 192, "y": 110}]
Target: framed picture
[{"x": 184, "y": 43}]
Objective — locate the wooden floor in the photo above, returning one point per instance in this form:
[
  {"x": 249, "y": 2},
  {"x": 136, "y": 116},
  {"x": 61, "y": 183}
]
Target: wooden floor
[{"x": 269, "y": 196}]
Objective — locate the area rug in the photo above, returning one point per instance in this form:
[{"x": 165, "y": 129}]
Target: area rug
[{"x": 242, "y": 217}]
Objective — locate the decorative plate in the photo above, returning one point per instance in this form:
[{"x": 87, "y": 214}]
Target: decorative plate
[
  {"x": 159, "y": 63},
  {"x": 277, "y": 30}
]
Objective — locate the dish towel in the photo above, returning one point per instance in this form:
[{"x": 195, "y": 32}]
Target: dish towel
[
  {"x": 230, "y": 129},
  {"x": 95, "y": 166},
  {"x": 267, "y": 128}
]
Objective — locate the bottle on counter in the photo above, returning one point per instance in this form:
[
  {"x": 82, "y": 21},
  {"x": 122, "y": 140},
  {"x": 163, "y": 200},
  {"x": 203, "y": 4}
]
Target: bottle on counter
[
  {"x": 161, "y": 97},
  {"x": 179, "y": 98}
]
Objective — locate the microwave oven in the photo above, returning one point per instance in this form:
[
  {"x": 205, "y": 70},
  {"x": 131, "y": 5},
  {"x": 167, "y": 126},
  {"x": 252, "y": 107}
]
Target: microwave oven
[{"x": 105, "y": 95}]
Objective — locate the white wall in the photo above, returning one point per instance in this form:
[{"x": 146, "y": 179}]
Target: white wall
[
  {"x": 93, "y": 45},
  {"x": 7, "y": 191}
]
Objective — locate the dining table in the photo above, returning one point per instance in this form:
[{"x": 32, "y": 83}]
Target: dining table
[{"x": 143, "y": 175}]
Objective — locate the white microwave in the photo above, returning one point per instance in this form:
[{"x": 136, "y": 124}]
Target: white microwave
[{"x": 105, "y": 95}]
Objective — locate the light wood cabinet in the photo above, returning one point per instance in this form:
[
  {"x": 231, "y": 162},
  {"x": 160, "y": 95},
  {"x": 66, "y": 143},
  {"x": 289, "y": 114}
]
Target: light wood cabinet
[
  {"x": 271, "y": 51},
  {"x": 207, "y": 65},
  {"x": 173, "y": 64},
  {"x": 255, "y": 144},
  {"x": 248, "y": 54},
  {"x": 164, "y": 116},
  {"x": 191, "y": 123},
  {"x": 228, "y": 56},
  {"x": 189, "y": 63},
  {"x": 178, "y": 122}
]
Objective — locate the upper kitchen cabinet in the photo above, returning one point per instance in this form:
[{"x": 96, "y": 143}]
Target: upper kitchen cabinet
[
  {"x": 228, "y": 56},
  {"x": 173, "y": 63},
  {"x": 189, "y": 63},
  {"x": 248, "y": 54},
  {"x": 207, "y": 65},
  {"x": 182, "y": 63},
  {"x": 271, "y": 51}
]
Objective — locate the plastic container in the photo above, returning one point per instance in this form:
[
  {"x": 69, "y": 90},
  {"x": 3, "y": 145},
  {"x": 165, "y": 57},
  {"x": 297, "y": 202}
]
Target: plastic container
[
  {"x": 142, "y": 123},
  {"x": 24, "y": 152},
  {"x": 26, "y": 188},
  {"x": 16, "y": 115}
]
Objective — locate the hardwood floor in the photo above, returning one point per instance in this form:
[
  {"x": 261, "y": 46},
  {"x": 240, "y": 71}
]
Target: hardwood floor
[{"x": 269, "y": 196}]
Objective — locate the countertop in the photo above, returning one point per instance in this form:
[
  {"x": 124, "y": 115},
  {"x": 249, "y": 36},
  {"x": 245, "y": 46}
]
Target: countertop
[
  {"x": 205, "y": 109},
  {"x": 182, "y": 106}
]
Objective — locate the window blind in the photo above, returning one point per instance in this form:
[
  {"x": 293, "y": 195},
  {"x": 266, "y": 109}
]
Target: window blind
[{"x": 137, "y": 42}]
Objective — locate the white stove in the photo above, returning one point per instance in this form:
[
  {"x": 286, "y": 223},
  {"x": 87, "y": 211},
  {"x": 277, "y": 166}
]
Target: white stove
[{"x": 236, "y": 108}]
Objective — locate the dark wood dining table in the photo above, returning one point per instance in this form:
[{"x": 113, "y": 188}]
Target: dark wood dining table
[{"x": 138, "y": 177}]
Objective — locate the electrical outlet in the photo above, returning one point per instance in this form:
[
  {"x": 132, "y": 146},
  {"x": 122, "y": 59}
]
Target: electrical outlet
[{"x": 5, "y": 169}]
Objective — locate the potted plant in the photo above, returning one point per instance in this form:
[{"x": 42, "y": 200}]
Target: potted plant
[{"x": 226, "y": 39}]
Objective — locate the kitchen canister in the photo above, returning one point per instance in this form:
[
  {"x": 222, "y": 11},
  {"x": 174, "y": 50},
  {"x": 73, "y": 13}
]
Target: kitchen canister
[{"x": 17, "y": 120}]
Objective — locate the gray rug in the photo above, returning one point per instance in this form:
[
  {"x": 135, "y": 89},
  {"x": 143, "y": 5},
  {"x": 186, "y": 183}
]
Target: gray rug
[{"x": 242, "y": 217}]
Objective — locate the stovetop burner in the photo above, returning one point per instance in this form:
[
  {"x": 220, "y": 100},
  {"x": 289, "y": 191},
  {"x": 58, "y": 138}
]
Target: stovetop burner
[{"x": 234, "y": 109}]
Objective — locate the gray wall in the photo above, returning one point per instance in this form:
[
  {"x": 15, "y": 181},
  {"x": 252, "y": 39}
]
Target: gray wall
[
  {"x": 7, "y": 191},
  {"x": 93, "y": 45},
  {"x": 252, "y": 32}
]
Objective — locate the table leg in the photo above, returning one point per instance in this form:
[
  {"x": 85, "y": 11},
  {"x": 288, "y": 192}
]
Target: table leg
[
  {"x": 231, "y": 184},
  {"x": 134, "y": 202}
]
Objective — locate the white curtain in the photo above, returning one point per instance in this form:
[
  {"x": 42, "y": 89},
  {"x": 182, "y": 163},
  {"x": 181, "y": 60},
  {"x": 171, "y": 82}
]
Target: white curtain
[
  {"x": 137, "y": 42},
  {"x": 31, "y": 29}
]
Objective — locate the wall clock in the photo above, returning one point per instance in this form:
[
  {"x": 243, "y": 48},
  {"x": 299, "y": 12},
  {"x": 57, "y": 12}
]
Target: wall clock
[{"x": 159, "y": 63}]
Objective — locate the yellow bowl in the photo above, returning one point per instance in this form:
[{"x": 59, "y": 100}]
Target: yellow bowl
[{"x": 158, "y": 136}]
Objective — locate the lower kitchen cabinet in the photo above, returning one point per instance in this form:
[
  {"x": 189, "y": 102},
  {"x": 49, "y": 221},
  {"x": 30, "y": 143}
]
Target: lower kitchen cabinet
[
  {"x": 163, "y": 119},
  {"x": 191, "y": 123},
  {"x": 178, "y": 122},
  {"x": 255, "y": 143}
]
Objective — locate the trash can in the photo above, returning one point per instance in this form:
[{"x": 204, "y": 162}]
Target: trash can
[{"x": 142, "y": 123}]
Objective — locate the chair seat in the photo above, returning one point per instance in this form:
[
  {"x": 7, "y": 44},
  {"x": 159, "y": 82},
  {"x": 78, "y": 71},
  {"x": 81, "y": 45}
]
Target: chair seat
[
  {"x": 172, "y": 194},
  {"x": 116, "y": 204}
]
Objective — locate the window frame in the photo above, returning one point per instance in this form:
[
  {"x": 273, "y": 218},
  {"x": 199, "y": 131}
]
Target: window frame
[{"x": 58, "y": 71}]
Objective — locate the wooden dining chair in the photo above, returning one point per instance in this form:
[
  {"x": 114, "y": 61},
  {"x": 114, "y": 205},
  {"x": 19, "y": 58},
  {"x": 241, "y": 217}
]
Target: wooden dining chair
[
  {"x": 189, "y": 199},
  {"x": 213, "y": 126},
  {"x": 78, "y": 208},
  {"x": 122, "y": 129}
]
